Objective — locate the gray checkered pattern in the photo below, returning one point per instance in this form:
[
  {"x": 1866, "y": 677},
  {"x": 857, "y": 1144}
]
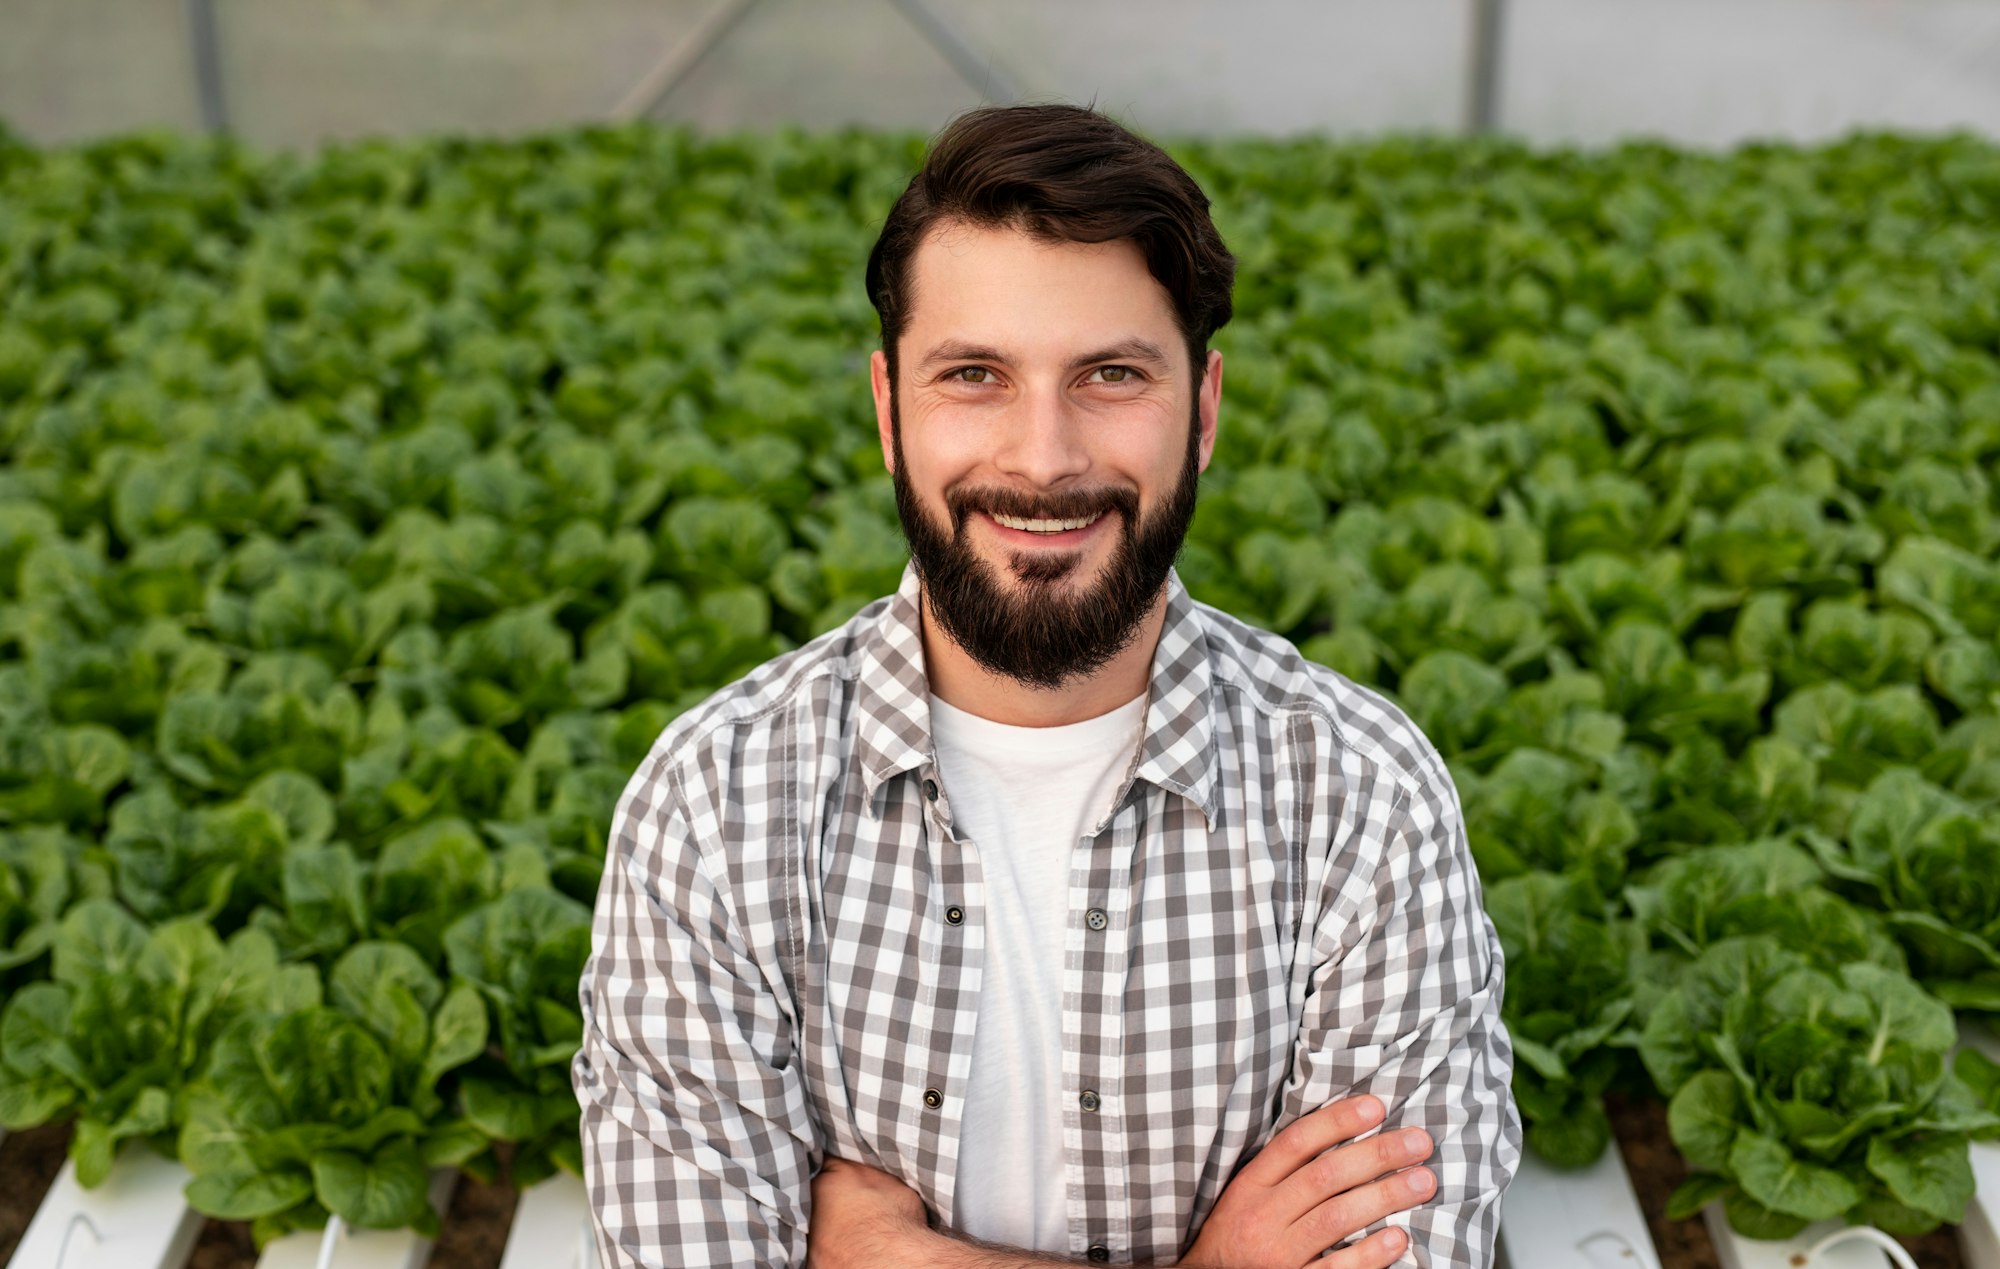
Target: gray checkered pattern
[{"x": 1293, "y": 917}]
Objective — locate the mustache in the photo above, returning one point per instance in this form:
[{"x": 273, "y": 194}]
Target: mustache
[{"x": 1071, "y": 505}]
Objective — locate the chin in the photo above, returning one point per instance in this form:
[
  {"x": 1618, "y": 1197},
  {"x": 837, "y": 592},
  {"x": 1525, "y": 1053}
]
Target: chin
[{"x": 1044, "y": 569}]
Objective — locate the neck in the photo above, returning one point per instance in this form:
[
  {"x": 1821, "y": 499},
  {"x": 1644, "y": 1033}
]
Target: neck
[{"x": 959, "y": 681}]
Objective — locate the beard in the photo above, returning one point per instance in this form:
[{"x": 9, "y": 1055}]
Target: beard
[{"x": 1041, "y": 632}]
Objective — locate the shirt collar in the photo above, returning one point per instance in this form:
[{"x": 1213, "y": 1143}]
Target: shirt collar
[{"x": 893, "y": 732}]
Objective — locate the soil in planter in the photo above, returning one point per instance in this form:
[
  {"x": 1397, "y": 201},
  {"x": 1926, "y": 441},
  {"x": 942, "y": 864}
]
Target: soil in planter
[
  {"x": 224, "y": 1245},
  {"x": 476, "y": 1224},
  {"x": 1656, "y": 1168},
  {"x": 1937, "y": 1249},
  {"x": 1640, "y": 1127},
  {"x": 29, "y": 1161}
]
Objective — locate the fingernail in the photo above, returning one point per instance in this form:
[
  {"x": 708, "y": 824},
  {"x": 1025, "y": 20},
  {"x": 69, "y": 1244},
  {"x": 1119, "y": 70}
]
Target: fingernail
[
  {"x": 1370, "y": 1109},
  {"x": 1417, "y": 1142},
  {"x": 1419, "y": 1180},
  {"x": 1393, "y": 1237}
]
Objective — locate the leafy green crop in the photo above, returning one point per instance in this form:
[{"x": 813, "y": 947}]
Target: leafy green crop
[
  {"x": 1768, "y": 887},
  {"x": 1932, "y": 861},
  {"x": 126, "y": 1019},
  {"x": 39, "y": 881},
  {"x": 522, "y": 951},
  {"x": 1568, "y": 1009},
  {"x": 335, "y": 1108},
  {"x": 365, "y": 517},
  {"x": 1803, "y": 1092}
]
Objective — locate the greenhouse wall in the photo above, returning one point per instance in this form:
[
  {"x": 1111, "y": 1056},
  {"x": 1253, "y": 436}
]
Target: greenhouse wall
[{"x": 1700, "y": 72}]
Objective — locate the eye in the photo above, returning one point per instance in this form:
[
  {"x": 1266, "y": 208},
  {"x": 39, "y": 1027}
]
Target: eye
[
  {"x": 968, "y": 374},
  {"x": 1116, "y": 374}
]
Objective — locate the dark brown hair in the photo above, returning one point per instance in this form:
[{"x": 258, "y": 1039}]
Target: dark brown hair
[{"x": 1065, "y": 174}]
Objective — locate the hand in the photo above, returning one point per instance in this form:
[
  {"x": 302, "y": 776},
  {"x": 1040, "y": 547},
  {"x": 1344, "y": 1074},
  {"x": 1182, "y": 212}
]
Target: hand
[
  {"x": 859, "y": 1214},
  {"x": 1299, "y": 1196}
]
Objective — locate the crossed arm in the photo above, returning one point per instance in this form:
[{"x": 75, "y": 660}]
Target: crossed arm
[{"x": 1303, "y": 1193}]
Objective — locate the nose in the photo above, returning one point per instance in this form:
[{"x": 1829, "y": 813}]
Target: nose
[{"x": 1041, "y": 441}]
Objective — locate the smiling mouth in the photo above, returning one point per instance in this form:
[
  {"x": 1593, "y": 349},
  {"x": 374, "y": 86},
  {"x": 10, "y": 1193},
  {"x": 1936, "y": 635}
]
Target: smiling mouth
[{"x": 1045, "y": 526}]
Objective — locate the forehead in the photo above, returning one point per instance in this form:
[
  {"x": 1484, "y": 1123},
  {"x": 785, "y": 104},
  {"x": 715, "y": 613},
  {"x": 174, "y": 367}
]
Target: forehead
[{"x": 1004, "y": 287}]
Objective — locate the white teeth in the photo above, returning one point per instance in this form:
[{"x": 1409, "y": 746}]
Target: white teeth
[{"x": 1046, "y": 526}]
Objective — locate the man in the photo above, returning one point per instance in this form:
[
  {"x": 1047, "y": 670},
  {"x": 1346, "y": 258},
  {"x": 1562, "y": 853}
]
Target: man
[{"x": 1039, "y": 910}]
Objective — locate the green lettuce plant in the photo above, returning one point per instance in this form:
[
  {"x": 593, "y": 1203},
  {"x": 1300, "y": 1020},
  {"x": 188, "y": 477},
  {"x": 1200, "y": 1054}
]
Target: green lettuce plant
[
  {"x": 1802, "y": 1093},
  {"x": 524, "y": 952},
  {"x": 126, "y": 1021},
  {"x": 1569, "y": 1008},
  {"x": 42, "y": 873},
  {"x": 1771, "y": 887},
  {"x": 1931, "y": 861},
  {"x": 339, "y": 1107}
]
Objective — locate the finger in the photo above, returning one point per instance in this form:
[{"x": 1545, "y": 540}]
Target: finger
[
  {"x": 1377, "y": 1251},
  {"x": 1343, "y": 1215},
  {"x": 1307, "y": 1137},
  {"x": 1349, "y": 1167}
]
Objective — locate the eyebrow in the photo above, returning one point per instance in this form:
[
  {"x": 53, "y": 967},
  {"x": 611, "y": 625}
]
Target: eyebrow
[{"x": 1123, "y": 350}]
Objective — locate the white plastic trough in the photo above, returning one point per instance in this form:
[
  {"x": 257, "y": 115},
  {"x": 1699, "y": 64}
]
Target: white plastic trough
[
  {"x": 137, "y": 1219},
  {"x": 1574, "y": 1220},
  {"x": 1979, "y": 1236},
  {"x": 552, "y": 1228},
  {"x": 1978, "y": 1240},
  {"x": 1855, "y": 1247},
  {"x": 340, "y": 1247}
]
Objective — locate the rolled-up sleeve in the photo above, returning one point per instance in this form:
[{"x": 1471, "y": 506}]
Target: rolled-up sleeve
[
  {"x": 698, "y": 1144},
  {"x": 1409, "y": 1010}
]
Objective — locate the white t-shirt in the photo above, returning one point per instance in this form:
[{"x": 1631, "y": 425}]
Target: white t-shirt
[{"x": 1024, "y": 797}]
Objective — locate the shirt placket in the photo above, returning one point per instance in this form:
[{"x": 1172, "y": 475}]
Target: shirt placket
[
  {"x": 1094, "y": 968},
  {"x": 954, "y": 939}
]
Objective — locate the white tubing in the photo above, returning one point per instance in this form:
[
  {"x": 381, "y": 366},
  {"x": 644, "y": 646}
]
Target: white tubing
[
  {"x": 1866, "y": 1234},
  {"x": 76, "y": 1219},
  {"x": 335, "y": 1227}
]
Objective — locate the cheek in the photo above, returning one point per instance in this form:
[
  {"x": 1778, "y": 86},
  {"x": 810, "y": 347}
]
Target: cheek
[
  {"x": 930, "y": 480},
  {"x": 1158, "y": 468},
  {"x": 937, "y": 457}
]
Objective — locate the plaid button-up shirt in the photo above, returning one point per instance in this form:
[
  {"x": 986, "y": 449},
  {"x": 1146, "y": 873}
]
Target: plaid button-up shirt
[{"x": 1279, "y": 911}]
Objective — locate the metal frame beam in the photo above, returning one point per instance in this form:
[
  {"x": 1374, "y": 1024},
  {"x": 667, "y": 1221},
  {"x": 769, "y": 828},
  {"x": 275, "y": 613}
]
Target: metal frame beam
[
  {"x": 672, "y": 70},
  {"x": 987, "y": 79},
  {"x": 678, "y": 62},
  {"x": 206, "y": 47},
  {"x": 1482, "y": 88}
]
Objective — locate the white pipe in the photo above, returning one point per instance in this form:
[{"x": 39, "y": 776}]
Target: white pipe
[
  {"x": 1864, "y": 1234},
  {"x": 335, "y": 1227}
]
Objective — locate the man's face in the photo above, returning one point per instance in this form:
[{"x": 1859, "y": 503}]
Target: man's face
[{"x": 1045, "y": 434}]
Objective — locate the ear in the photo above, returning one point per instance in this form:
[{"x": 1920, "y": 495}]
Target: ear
[
  {"x": 878, "y": 383},
  {"x": 1209, "y": 400}
]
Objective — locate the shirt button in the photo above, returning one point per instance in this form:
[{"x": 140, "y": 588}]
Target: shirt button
[
  {"x": 1089, "y": 1100},
  {"x": 933, "y": 1098},
  {"x": 930, "y": 789},
  {"x": 1096, "y": 919},
  {"x": 954, "y": 915},
  {"x": 1098, "y": 1253}
]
